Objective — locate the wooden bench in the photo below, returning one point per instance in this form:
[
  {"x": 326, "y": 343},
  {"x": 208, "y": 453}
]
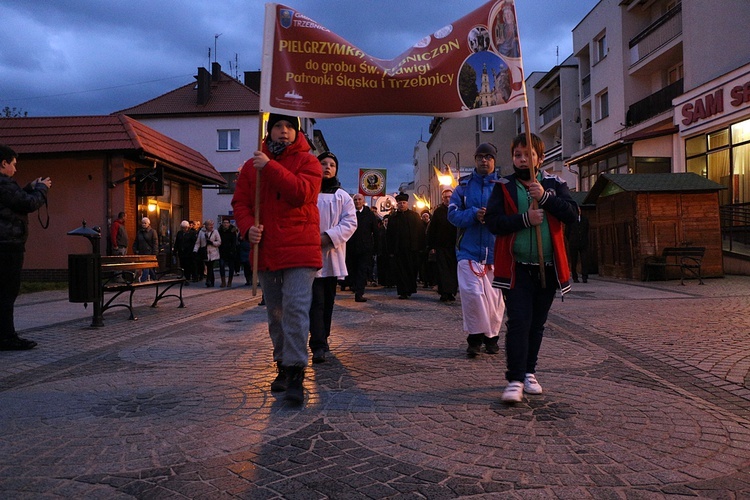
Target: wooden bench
[
  {"x": 118, "y": 276},
  {"x": 688, "y": 259}
]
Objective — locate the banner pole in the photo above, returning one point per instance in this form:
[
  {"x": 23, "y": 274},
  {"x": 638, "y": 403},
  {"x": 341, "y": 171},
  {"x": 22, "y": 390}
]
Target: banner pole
[
  {"x": 534, "y": 204},
  {"x": 262, "y": 119}
]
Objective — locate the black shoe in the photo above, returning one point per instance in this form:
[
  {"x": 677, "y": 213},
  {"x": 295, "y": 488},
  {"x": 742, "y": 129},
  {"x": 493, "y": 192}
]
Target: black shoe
[
  {"x": 444, "y": 297},
  {"x": 575, "y": 280},
  {"x": 359, "y": 298},
  {"x": 262, "y": 300},
  {"x": 319, "y": 356},
  {"x": 16, "y": 343},
  {"x": 403, "y": 297},
  {"x": 279, "y": 383},
  {"x": 475, "y": 345},
  {"x": 585, "y": 280},
  {"x": 490, "y": 345},
  {"x": 187, "y": 282},
  {"x": 451, "y": 297},
  {"x": 295, "y": 393}
]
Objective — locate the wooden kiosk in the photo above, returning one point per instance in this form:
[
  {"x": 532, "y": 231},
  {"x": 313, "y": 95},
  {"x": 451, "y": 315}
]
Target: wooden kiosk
[{"x": 639, "y": 215}]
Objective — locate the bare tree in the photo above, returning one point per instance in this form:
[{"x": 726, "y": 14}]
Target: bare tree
[{"x": 14, "y": 112}]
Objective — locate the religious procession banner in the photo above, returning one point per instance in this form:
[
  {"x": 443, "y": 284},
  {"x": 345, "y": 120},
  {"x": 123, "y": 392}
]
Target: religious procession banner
[
  {"x": 471, "y": 66},
  {"x": 372, "y": 181}
]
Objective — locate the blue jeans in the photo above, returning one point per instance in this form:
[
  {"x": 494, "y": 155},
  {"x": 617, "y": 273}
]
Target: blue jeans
[
  {"x": 288, "y": 295},
  {"x": 527, "y": 305}
]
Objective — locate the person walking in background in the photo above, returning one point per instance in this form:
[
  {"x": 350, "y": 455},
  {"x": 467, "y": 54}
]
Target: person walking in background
[
  {"x": 482, "y": 306},
  {"x": 441, "y": 248},
  {"x": 385, "y": 269},
  {"x": 288, "y": 239},
  {"x": 146, "y": 243},
  {"x": 227, "y": 252},
  {"x": 183, "y": 248},
  {"x": 426, "y": 262},
  {"x": 361, "y": 248},
  {"x": 206, "y": 250},
  {"x": 511, "y": 216},
  {"x": 15, "y": 205},
  {"x": 199, "y": 265},
  {"x": 577, "y": 235},
  {"x": 406, "y": 239},
  {"x": 338, "y": 221},
  {"x": 247, "y": 267},
  {"x": 118, "y": 235}
]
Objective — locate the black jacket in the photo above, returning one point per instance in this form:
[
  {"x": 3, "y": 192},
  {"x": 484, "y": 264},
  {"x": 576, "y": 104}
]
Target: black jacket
[
  {"x": 15, "y": 205},
  {"x": 365, "y": 238}
]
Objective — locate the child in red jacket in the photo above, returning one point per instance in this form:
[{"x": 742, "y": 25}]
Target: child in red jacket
[{"x": 288, "y": 239}]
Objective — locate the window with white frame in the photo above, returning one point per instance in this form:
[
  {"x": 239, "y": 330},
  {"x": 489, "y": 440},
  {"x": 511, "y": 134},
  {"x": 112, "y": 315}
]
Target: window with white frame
[
  {"x": 603, "y": 104},
  {"x": 600, "y": 42},
  {"x": 487, "y": 123},
  {"x": 229, "y": 140}
]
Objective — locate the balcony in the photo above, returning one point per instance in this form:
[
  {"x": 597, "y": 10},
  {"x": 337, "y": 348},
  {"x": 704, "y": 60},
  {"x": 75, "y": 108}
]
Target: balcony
[
  {"x": 587, "y": 137},
  {"x": 586, "y": 86},
  {"x": 654, "y": 104},
  {"x": 550, "y": 111},
  {"x": 659, "y": 33}
]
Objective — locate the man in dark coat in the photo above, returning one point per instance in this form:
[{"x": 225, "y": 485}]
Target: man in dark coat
[
  {"x": 577, "y": 235},
  {"x": 183, "y": 247},
  {"x": 441, "y": 244},
  {"x": 15, "y": 205},
  {"x": 361, "y": 247},
  {"x": 406, "y": 238}
]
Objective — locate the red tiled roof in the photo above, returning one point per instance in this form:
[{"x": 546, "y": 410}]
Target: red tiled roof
[
  {"x": 228, "y": 96},
  {"x": 78, "y": 134}
]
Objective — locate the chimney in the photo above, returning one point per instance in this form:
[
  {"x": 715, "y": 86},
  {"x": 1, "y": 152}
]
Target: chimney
[
  {"x": 252, "y": 80},
  {"x": 215, "y": 71},
  {"x": 204, "y": 86}
]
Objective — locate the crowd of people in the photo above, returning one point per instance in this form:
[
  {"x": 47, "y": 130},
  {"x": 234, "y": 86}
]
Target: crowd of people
[{"x": 497, "y": 242}]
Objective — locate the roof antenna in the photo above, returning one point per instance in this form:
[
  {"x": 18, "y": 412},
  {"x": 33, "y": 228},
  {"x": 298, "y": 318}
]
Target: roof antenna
[
  {"x": 557, "y": 55},
  {"x": 216, "y": 37}
]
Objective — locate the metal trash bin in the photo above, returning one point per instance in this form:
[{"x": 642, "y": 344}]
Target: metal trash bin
[{"x": 83, "y": 278}]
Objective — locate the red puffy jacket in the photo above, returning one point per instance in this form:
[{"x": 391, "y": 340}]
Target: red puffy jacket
[{"x": 289, "y": 188}]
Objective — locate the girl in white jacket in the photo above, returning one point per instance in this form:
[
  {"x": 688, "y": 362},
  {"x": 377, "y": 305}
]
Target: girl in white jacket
[{"x": 338, "y": 221}]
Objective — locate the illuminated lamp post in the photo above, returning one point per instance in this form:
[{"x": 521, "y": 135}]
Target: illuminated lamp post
[
  {"x": 449, "y": 180},
  {"x": 422, "y": 198}
]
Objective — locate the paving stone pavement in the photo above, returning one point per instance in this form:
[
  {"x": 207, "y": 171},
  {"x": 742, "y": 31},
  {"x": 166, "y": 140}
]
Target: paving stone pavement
[{"x": 646, "y": 395}]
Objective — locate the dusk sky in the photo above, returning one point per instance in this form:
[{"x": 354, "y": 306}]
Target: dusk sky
[{"x": 88, "y": 57}]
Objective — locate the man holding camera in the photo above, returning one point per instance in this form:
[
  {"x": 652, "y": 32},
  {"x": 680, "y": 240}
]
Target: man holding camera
[{"x": 15, "y": 205}]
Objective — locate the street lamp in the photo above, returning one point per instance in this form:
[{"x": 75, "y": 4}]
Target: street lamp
[
  {"x": 450, "y": 180},
  {"x": 422, "y": 198}
]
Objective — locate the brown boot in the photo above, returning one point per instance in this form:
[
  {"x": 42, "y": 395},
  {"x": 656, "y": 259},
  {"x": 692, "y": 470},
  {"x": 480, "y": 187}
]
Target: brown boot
[
  {"x": 229, "y": 280},
  {"x": 223, "y": 282}
]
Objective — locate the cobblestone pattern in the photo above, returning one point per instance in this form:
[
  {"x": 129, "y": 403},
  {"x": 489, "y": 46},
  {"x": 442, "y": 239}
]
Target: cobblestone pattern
[{"x": 646, "y": 396}]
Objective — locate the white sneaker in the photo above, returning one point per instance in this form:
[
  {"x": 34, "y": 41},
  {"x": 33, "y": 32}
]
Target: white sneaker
[
  {"x": 513, "y": 393},
  {"x": 530, "y": 385}
]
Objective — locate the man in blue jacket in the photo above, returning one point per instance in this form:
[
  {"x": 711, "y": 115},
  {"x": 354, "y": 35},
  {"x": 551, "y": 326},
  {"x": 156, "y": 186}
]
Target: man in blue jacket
[{"x": 481, "y": 304}]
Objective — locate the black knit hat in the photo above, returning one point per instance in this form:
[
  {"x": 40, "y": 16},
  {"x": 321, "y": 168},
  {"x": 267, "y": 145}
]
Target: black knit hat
[
  {"x": 330, "y": 155},
  {"x": 273, "y": 118},
  {"x": 402, "y": 197},
  {"x": 486, "y": 149}
]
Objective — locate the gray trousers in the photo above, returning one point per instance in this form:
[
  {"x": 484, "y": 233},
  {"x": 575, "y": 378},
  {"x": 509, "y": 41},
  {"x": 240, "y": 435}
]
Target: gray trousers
[{"x": 288, "y": 295}]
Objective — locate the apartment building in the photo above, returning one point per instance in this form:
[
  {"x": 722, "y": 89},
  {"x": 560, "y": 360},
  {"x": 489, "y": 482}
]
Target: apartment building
[{"x": 663, "y": 87}]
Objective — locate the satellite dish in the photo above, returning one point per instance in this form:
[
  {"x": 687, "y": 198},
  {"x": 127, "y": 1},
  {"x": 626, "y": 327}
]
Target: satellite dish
[{"x": 384, "y": 205}]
